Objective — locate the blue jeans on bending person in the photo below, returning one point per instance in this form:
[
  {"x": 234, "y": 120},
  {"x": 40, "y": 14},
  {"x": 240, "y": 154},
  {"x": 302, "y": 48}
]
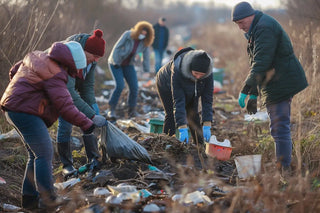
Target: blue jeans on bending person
[
  {"x": 64, "y": 131},
  {"x": 158, "y": 56},
  {"x": 129, "y": 74},
  {"x": 35, "y": 136},
  {"x": 279, "y": 114}
]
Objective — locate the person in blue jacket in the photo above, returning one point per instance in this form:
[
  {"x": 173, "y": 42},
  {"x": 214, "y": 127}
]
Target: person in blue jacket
[
  {"x": 81, "y": 88},
  {"x": 275, "y": 71},
  {"x": 121, "y": 63},
  {"x": 180, "y": 84}
]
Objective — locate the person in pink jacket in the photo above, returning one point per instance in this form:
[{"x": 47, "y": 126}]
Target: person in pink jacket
[{"x": 34, "y": 99}]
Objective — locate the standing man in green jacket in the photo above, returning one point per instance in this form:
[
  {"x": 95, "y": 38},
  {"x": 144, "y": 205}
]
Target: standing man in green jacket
[
  {"x": 274, "y": 70},
  {"x": 81, "y": 88}
]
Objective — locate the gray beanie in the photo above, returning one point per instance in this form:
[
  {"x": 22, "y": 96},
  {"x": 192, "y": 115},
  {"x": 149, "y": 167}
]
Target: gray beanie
[{"x": 241, "y": 11}]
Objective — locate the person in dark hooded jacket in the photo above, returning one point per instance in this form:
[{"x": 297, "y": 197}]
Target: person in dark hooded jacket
[
  {"x": 275, "y": 70},
  {"x": 34, "y": 99},
  {"x": 180, "y": 84}
]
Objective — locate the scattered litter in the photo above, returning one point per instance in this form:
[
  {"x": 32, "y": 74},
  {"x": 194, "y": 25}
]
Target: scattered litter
[
  {"x": 248, "y": 165},
  {"x": 67, "y": 184},
  {"x": 151, "y": 207},
  {"x": 259, "y": 116},
  {"x": 144, "y": 193},
  {"x": 10, "y": 208},
  {"x": 133, "y": 196},
  {"x": 101, "y": 192},
  {"x": 115, "y": 190},
  {"x": 11, "y": 134},
  {"x": 102, "y": 177},
  {"x": 113, "y": 200},
  {"x": 2, "y": 181},
  {"x": 196, "y": 197},
  {"x": 131, "y": 123}
]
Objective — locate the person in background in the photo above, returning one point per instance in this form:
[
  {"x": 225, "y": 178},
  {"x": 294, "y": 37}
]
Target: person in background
[
  {"x": 36, "y": 95},
  {"x": 180, "y": 84},
  {"x": 121, "y": 59},
  {"x": 275, "y": 70},
  {"x": 160, "y": 43},
  {"x": 81, "y": 88}
]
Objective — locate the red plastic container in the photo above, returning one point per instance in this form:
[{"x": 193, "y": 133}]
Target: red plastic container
[{"x": 219, "y": 152}]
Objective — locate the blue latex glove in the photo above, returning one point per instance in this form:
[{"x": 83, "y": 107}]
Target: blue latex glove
[
  {"x": 96, "y": 108},
  {"x": 206, "y": 133},
  {"x": 184, "y": 136},
  {"x": 241, "y": 99}
]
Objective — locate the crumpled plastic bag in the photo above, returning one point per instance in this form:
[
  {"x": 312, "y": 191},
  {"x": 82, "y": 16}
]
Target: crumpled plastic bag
[{"x": 119, "y": 145}]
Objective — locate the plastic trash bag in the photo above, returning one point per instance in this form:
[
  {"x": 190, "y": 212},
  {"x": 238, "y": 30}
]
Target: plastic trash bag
[{"x": 119, "y": 145}]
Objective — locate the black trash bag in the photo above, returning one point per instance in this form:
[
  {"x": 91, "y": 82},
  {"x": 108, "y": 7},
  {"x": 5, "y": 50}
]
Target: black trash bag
[{"x": 117, "y": 144}]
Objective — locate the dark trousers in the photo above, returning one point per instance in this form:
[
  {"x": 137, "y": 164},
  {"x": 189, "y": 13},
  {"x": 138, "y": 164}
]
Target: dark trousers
[{"x": 193, "y": 117}]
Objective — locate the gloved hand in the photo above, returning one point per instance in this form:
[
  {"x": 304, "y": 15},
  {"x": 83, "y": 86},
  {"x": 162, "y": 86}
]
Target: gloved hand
[
  {"x": 184, "y": 136},
  {"x": 252, "y": 105},
  {"x": 99, "y": 120},
  {"x": 95, "y": 107},
  {"x": 206, "y": 132},
  {"x": 89, "y": 130},
  {"x": 241, "y": 99}
]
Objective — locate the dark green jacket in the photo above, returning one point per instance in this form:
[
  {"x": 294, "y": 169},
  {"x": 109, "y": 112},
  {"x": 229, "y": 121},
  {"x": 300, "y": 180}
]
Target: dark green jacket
[
  {"x": 274, "y": 68},
  {"x": 81, "y": 88}
]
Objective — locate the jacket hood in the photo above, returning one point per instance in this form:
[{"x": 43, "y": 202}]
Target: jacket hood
[
  {"x": 60, "y": 53},
  {"x": 186, "y": 64},
  {"x": 136, "y": 30}
]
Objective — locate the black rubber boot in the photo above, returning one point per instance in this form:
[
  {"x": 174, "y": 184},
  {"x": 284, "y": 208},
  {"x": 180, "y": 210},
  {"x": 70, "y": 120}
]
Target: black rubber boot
[
  {"x": 66, "y": 159},
  {"x": 132, "y": 112},
  {"x": 91, "y": 146},
  {"x": 29, "y": 202}
]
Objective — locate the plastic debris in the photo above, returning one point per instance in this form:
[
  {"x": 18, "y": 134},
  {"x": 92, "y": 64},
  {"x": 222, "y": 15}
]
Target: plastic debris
[
  {"x": 10, "y": 207},
  {"x": 101, "y": 192},
  {"x": 197, "y": 197},
  {"x": 113, "y": 200},
  {"x": 2, "y": 181},
  {"x": 102, "y": 177},
  {"x": 177, "y": 197},
  {"x": 131, "y": 123},
  {"x": 67, "y": 184},
  {"x": 115, "y": 190},
  {"x": 225, "y": 143},
  {"x": 248, "y": 165},
  {"x": 144, "y": 193},
  {"x": 259, "y": 116},
  {"x": 133, "y": 196},
  {"x": 153, "y": 168},
  {"x": 11, "y": 134},
  {"x": 151, "y": 207}
]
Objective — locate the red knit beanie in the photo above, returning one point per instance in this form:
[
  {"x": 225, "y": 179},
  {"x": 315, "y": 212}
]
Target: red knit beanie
[{"x": 95, "y": 43}]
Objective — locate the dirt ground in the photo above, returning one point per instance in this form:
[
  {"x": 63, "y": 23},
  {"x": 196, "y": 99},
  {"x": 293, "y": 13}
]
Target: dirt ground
[{"x": 184, "y": 168}]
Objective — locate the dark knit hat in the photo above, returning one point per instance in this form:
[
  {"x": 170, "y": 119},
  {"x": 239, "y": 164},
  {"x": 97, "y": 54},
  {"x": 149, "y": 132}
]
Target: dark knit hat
[
  {"x": 241, "y": 11},
  {"x": 95, "y": 43},
  {"x": 200, "y": 62}
]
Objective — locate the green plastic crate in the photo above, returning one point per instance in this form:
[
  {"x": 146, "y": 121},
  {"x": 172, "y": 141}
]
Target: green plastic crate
[{"x": 156, "y": 125}]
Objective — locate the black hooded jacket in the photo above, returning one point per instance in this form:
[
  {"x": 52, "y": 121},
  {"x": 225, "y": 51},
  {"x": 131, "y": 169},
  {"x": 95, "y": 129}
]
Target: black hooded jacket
[{"x": 176, "y": 77}]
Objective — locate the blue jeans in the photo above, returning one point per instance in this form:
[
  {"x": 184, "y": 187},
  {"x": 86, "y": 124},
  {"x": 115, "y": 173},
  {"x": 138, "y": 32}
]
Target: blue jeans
[
  {"x": 129, "y": 74},
  {"x": 279, "y": 114},
  {"x": 64, "y": 131},
  {"x": 35, "y": 136},
  {"x": 158, "y": 55}
]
